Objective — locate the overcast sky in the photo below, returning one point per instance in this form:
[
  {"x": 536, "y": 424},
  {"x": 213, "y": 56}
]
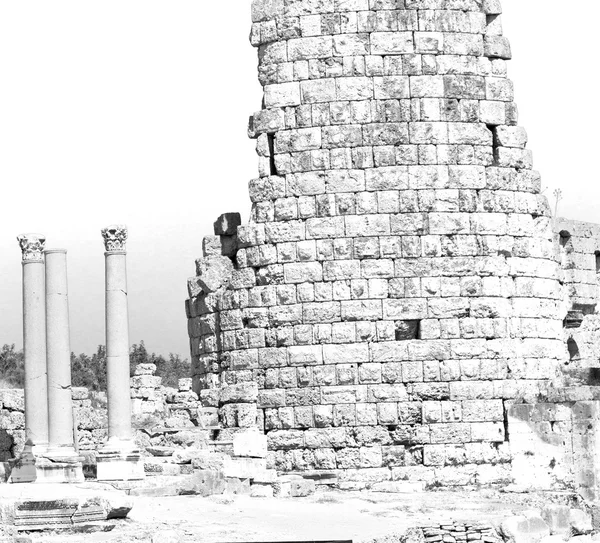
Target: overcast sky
[{"x": 135, "y": 112}]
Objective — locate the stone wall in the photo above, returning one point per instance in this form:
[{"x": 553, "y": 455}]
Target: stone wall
[
  {"x": 398, "y": 285},
  {"x": 89, "y": 413},
  {"x": 153, "y": 405},
  {"x": 579, "y": 250}
]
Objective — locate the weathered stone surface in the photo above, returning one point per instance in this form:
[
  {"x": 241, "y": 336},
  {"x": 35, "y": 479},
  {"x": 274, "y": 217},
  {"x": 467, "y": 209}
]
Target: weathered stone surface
[
  {"x": 226, "y": 224},
  {"x": 250, "y": 444},
  {"x": 524, "y": 529},
  {"x": 397, "y": 287},
  {"x": 214, "y": 272},
  {"x": 300, "y": 489},
  {"x": 580, "y": 521}
]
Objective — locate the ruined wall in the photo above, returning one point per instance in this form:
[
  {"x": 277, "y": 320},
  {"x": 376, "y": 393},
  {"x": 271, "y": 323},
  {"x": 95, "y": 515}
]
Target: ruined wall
[
  {"x": 579, "y": 252},
  {"x": 397, "y": 285},
  {"x": 153, "y": 406}
]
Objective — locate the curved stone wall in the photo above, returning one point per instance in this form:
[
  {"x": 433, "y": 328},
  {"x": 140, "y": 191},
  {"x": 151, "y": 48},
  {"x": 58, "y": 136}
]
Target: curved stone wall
[{"x": 397, "y": 283}]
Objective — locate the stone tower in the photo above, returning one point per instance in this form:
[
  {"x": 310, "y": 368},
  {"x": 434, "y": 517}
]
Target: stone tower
[{"x": 396, "y": 290}]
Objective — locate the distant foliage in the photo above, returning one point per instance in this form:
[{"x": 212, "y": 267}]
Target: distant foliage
[
  {"x": 90, "y": 371},
  {"x": 12, "y": 368}
]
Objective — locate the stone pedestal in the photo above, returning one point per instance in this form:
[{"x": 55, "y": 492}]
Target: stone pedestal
[
  {"x": 34, "y": 348},
  {"x": 63, "y": 463},
  {"x": 119, "y": 458}
]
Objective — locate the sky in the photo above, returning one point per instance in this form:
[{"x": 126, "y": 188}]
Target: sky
[{"x": 135, "y": 112}]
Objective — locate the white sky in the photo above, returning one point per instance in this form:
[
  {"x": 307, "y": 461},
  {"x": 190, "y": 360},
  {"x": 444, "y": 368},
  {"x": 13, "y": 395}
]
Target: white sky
[{"x": 135, "y": 112}]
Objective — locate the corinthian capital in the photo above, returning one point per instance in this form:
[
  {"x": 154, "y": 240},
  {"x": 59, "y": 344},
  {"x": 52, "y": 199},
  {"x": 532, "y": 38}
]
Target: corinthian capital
[
  {"x": 115, "y": 237},
  {"x": 32, "y": 247}
]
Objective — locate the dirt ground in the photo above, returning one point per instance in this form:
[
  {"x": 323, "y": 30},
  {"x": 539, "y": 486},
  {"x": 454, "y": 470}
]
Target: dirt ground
[{"x": 329, "y": 515}]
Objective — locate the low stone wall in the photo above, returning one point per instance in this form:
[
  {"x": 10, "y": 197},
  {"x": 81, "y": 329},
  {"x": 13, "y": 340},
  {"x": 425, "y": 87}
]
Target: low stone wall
[
  {"x": 152, "y": 405},
  {"x": 12, "y": 422}
]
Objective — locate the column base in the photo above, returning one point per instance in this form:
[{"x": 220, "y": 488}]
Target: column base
[
  {"x": 119, "y": 461},
  {"x": 65, "y": 466}
]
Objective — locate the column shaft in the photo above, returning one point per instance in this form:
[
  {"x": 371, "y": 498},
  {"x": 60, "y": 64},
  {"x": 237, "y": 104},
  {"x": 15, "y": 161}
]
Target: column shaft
[
  {"x": 34, "y": 347},
  {"x": 60, "y": 406},
  {"x": 34, "y": 341},
  {"x": 117, "y": 347},
  {"x": 119, "y": 458}
]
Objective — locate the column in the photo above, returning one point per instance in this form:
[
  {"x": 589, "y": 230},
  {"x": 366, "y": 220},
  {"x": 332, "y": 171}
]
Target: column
[
  {"x": 119, "y": 458},
  {"x": 25, "y": 468},
  {"x": 34, "y": 341},
  {"x": 64, "y": 463}
]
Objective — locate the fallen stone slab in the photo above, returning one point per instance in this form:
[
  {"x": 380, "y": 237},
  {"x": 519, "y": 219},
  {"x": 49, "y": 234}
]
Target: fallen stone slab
[
  {"x": 199, "y": 483},
  {"x": 160, "y": 451},
  {"x": 31, "y": 506}
]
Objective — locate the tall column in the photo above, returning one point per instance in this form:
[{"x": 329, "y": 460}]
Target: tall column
[
  {"x": 34, "y": 341},
  {"x": 119, "y": 458},
  {"x": 25, "y": 469},
  {"x": 63, "y": 458}
]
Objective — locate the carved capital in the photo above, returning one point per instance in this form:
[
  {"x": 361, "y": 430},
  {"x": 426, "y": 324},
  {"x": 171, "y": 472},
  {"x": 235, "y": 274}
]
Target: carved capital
[
  {"x": 115, "y": 237},
  {"x": 32, "y": 247}
]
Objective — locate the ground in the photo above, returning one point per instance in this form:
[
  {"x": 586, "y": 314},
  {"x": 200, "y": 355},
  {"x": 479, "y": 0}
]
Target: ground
[{"x": 356, "y": 516}]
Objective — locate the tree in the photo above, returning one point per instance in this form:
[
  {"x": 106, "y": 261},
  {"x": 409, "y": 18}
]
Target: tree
[
  {"x": 89, "y": 372},
  {"x": 12, "y": 367},
  {"x": 173, "y": 369}
]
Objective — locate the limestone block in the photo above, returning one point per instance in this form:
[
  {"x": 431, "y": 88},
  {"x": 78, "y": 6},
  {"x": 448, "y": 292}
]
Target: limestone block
[
  {"x": 79, "y": 393},
  {"x": 186, "y": 397},
  {"x": 12, "y": 420},
  {"x": 214, "y": 272},
  {"x": 497, "y": 47},
  {"x": 492, "y": 7},
  {"x": 388, "y": 43},
  {"x": 250, "y": 444},
  {"x": 264, "y": 10},
  {"x": 524, "y": 529},
  {"x": 310, "y": 48},
  {"x": 511, "y": 136},
  {"x": 186, "y": 456},
  {"x": 557, "y": 518},
  {"x": 318, "y": 91},
  {"x": 185, "y": 384},
  {"x": 89, "y": 418},
  {"x": 282, "y": 94},
  {"x": 241, "y": 415},
  {"x": 12, "y": 399},
  {"x": 145, "y": 381},
  {"x": 302, "y": 488},
  {"x": 211, "y": 246},
  {"x": 145, "y": 369},
  {"x": 499, "y": 89},
  {"x": 580, "y": 521},
  {"x": 271, "y": 398},
  {"x": 492, "y": 112},
  {"x": 266, "y": 121}
]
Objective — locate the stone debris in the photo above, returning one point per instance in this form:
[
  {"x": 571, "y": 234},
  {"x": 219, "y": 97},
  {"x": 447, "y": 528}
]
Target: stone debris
[{"x": 28, "y": 507}]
